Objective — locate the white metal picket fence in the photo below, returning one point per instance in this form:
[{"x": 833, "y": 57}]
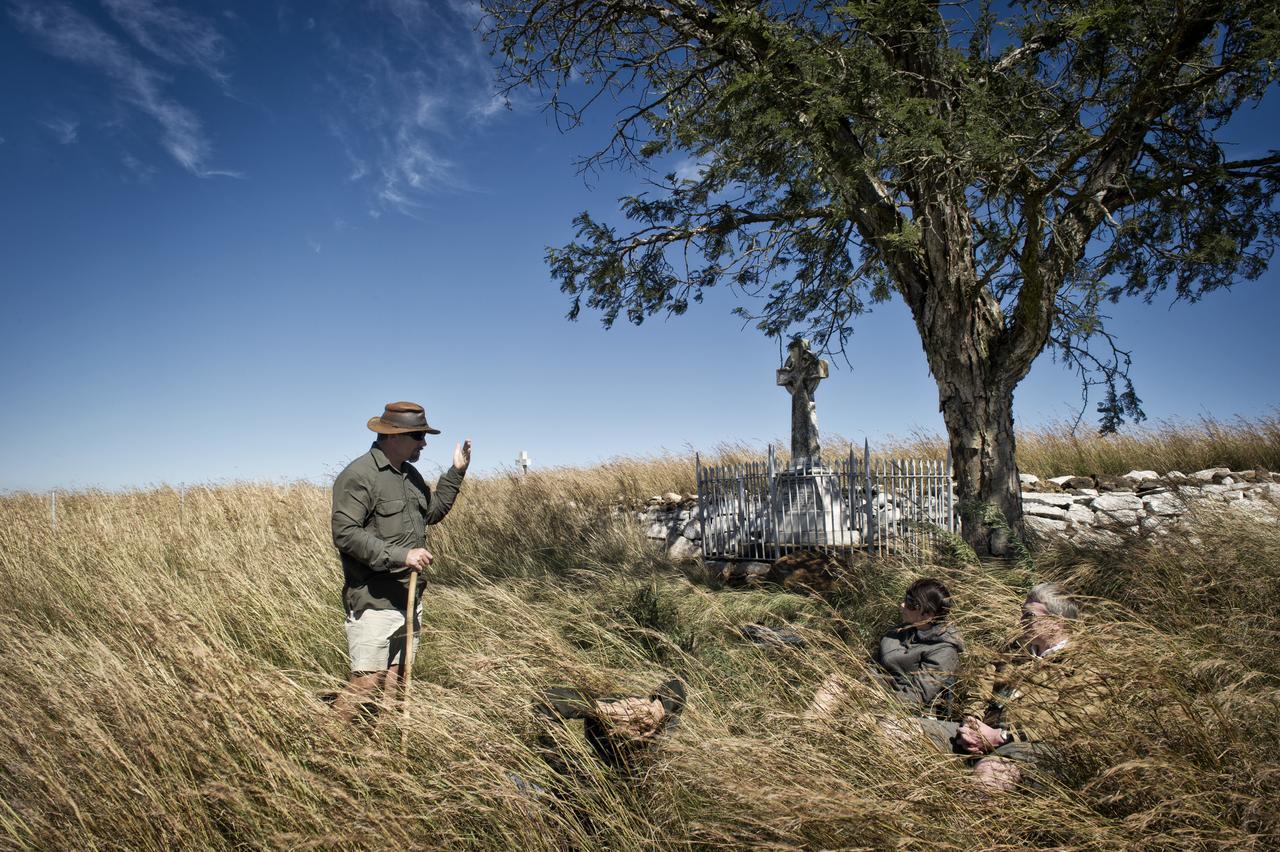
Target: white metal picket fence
[{"x": 756, "y": 511}]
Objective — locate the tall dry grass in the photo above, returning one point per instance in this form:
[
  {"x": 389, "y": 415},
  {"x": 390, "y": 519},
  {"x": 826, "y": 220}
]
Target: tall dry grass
[
  {"x": 1058, "y": 449},
  {"x": 161, "y": 671}
]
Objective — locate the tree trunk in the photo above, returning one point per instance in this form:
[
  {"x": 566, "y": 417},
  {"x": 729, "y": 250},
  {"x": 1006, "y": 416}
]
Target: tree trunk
[
  {"x": 979, "y": 418},
  {"x": 962, "y": 329}
]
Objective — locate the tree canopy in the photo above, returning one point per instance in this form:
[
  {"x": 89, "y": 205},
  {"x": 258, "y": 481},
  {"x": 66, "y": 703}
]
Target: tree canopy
[{"x": 1004, "y": 170}]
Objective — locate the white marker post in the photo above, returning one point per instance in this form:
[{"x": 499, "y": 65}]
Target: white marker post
[
  {"x": 523, "y": 461},
  {"x": 53, "y": 509}
]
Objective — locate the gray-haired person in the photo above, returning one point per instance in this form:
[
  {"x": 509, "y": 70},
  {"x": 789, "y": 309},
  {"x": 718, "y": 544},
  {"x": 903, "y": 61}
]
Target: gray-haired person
[
  {"x": 381, "y": 509},
  {"x": 1032, "y": 693}
]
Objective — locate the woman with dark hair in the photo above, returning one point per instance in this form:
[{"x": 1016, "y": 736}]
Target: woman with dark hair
[
  {"x": 921, "y": 655},
  {"x": 918, "y": 658}
]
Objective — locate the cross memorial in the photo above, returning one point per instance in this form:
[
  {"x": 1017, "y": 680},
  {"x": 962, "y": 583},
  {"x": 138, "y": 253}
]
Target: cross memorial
[
  {"x": 523, "y": 461},
  {"x": 800, "y": 376}
]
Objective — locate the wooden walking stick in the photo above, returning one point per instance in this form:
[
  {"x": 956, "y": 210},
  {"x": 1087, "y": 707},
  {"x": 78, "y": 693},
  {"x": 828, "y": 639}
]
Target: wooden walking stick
[{"x": 410, "y": 610}]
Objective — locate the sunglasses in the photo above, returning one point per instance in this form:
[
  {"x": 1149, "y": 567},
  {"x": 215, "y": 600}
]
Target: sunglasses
[
  {"x": 417, "y": 436},
  {"x": 910, "y": 602}
]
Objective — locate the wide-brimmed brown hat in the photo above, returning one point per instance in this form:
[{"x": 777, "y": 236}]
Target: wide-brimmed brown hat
[{"x": 401, "y": 417}]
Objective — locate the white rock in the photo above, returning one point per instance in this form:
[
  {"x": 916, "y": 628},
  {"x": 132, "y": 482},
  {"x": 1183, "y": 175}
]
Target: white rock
[
  {"x": 693, "y": 530},
  {"x": 1207, "y": 474},
  {"x": 1117, "y": 508},
  {"x": 1116, "y": 502},
  {"x": 671, "y": 497},
  {"x": 1086, "y": 492},
  {"x": 1175, "y": 474},
  {"x": 1048, "y": 498},
  {"x": 1164, "y": 504},
  {"x": 1081, "y": 516},
  {"x": 683, "y": 550},
  {"x": 1152, "y": 523},
  {"x": 1042, "y": 510},
  {"x": 1139, "y": 475},
  {"x": 1028, "y": 478},
  {"x": 658, "y": 531},
  {"x": 1045, "y": 526},
  {"x": 1061, "y": 480}
]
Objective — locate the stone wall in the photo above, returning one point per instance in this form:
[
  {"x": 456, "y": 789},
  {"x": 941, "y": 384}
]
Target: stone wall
[{"x": 1088, "y": 510}]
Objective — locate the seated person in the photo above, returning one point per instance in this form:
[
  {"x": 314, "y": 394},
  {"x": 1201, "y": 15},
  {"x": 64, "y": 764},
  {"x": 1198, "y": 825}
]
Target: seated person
[
  {"x": 918, "y": 658},
  {"x": 618, "y": 729},
  {"x": 1027, "y": 694}
]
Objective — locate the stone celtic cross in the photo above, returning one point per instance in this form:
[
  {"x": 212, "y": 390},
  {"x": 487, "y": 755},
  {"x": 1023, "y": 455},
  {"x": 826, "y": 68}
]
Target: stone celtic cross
[{"x": 800, "y": 376}]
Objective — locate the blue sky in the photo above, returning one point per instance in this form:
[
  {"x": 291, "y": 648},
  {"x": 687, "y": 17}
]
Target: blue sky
[{"x": 232, "y": 232}]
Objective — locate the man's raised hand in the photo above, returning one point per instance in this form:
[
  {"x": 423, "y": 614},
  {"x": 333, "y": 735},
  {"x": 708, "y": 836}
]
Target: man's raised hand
[{"x": 462, "y": 455}]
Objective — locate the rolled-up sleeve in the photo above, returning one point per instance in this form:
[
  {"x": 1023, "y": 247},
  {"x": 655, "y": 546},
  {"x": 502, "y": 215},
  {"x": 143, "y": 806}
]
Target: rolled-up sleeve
[
  {"x": 446, "y": 491},
  {"x": 352, "y": 506}
]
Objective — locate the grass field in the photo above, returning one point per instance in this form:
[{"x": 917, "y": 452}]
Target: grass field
[{"x": 161, "y": 662}]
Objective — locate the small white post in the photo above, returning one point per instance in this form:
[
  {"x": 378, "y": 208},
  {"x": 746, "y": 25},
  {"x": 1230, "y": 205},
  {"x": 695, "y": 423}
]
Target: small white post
[
  {"x": 523, "y": 461},
  {"x": 53, "y": 509}
]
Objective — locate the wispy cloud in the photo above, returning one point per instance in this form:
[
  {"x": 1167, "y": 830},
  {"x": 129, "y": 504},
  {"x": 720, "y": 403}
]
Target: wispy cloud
[
  {"x": 140, "y": 171},
  {"x": 68, "y": 34},
  {"x": 65, "y": 130},
  {"x": 175, "y": 35},
  {"x": 411, "y": 84}
]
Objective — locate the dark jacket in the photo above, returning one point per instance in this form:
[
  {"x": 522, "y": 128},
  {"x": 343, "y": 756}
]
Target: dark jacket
[{"x": 921, "y": 663}]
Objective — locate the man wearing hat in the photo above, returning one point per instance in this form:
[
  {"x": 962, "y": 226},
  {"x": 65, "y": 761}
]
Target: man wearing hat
[{"x": 381, "y": 508}]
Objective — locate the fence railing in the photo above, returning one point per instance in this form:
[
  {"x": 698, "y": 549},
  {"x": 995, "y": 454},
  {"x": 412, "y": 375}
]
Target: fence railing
[{"x": 759, "y": 511}]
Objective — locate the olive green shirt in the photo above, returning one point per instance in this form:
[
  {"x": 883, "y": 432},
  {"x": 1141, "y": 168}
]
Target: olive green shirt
[{"x": 379, "y": 515}]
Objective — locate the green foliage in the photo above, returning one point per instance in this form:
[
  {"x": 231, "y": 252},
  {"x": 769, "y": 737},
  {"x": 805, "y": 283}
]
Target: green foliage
[{"x": 1015, "y": 171}]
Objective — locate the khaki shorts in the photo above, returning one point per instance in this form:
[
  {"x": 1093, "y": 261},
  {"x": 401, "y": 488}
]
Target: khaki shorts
[{"x": 375, "y": 638}]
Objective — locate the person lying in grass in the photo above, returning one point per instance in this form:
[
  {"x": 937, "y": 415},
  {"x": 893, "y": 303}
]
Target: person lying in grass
[
  {"x": 918, "y": 658},
  {"x": 619, "y": 729},
  {"x": 1029, "y": 693}
]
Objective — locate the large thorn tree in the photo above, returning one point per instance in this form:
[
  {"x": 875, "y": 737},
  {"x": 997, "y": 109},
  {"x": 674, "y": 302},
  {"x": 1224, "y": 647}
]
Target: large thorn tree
[{"x": 1004, "y": 174}]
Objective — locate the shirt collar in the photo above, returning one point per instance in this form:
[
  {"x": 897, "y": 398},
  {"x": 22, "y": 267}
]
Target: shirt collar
[
  {"x": 379, "y": 457},
  {"x": 1051, "y": 650}
]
